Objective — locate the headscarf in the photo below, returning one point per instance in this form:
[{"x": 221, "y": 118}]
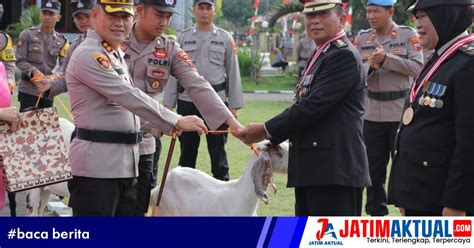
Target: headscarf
[{"x": 449, "y": 21}]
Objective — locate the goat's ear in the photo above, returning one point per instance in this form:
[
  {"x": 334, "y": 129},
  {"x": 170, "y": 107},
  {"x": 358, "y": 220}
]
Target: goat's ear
[{"x": 262, "y": 176}]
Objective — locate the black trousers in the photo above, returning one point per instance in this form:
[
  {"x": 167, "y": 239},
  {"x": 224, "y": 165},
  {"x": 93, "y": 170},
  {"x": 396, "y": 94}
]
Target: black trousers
[
  {"x": 330, "y": 200},
  {"x": 145, "y": 176},
  {"x": 380, "y": 142},
  {"x": 102, "y": 197},
  {"x": 189, "y": 144},
  {"x": 29, "y": 101}
]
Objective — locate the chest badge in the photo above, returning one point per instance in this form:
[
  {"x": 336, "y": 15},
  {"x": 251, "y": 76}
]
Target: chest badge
[{"x": 160, "y": 53}]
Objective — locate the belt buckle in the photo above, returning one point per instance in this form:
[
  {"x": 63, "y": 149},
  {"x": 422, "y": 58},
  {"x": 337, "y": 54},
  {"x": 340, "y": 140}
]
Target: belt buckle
[{"x": 138, "y": 137}]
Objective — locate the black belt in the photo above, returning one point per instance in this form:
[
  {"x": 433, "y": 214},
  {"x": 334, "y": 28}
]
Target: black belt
[
  {"x": 109, "y": 136},
  {"x": 216, "y": 87},
  {"x": 388, "y": 95}
]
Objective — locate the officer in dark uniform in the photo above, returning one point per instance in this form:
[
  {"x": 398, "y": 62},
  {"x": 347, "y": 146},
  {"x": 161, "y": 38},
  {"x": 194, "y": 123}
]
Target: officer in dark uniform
[
  {"x": 433, "y": 170},
  {"x": 37, "y": 53},
  {"x": 327, "y": 161}
]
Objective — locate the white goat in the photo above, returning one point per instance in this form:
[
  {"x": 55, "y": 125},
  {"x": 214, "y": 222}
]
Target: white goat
[
  {"x": 38, "y": 197},
  {"x": 190, "y": 192}
]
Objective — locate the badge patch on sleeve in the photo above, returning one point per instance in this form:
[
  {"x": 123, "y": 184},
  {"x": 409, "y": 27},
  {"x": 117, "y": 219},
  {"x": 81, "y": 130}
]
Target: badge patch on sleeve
[
  {"x": 415, "y": 41},
  {"x": 184, "y": 56},
  {"x": 20, "y": 42},
  {"x": 102, "y": 60}
]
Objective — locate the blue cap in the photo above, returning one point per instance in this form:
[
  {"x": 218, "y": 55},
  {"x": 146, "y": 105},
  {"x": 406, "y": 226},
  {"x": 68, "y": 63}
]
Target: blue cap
[{"x": 385, "y": 3}]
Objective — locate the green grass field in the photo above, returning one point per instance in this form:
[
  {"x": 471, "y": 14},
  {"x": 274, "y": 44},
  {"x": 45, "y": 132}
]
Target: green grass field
[
  {"x": 281, "y": 204},
  {"x": 269, "y": 83}
]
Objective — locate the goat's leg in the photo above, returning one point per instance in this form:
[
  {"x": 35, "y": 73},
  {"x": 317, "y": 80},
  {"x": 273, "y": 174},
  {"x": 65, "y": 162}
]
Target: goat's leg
[{"x": 44, "y": 199}]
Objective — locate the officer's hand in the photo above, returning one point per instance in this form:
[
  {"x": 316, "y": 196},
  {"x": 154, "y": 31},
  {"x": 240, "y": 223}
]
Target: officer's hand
[
  {"x": 453, "y": 212},
  {"x": 252, "y": 133},
  {"x": 12, "y": 117},
  {"x": 37, "y": 73},
  {"x": 234, "y": 124},
  {"x": 191, "y": 123},
  {"x": 43, "y": 85},
  {"x": 378, "y": 56},
  {"x": 372, "y": 64}
]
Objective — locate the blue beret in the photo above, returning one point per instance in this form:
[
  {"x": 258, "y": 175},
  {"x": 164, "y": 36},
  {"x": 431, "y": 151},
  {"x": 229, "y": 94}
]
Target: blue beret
[{"x": 385, "y": 3}]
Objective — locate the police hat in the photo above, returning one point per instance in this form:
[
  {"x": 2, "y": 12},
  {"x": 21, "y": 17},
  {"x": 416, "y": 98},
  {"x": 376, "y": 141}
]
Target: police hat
[
  {"x": 424, "y": 4},
  {"x": 212, "y": 2},
  {"x": 161, "y": 5},
  {"x": 383, "y": 3},
  {"x": 51, "y": 5},
  {"x": 114, "y": 6},
  {"x": 313, "y": 6},
  {"x": 82, "y": 6}
]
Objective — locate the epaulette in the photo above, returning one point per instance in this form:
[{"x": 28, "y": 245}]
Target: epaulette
[
  {"x": 407, "y": 28},
  {"x": 468, "y": 48},
  {"x": 339, "y": 43}
]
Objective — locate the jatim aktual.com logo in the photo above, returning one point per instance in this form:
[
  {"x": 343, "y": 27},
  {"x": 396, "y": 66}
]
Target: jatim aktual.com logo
[{"x": 393, "y": 232}]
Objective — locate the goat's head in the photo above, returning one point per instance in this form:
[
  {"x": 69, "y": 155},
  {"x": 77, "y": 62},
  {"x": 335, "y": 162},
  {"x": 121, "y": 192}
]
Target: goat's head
[{"x": 272, "y": 158}]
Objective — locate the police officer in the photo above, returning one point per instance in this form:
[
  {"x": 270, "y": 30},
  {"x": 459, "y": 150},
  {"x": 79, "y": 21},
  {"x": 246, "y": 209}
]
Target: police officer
[
  {"x": 104, "y": 156},
  {"x": 7, "y": 55},
  {"x": 81, "y": 14},
  {"x": 392, "y": 56},
  {"x": 433, "y": 169},
  {"x": 152, "y": 58},
  {"x": 304, "y": 49},
  {"x": 214, "y": 53},
  {"x": 38, "y": 50},
  {"x": 327, "y": 160}
]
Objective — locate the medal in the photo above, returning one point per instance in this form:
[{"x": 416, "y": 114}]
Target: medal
[
  {"x": 439, "y": 103},
  {"x": 421, "y": 100},
  {"x": 426, "y": 100},
  {"x": 432, "y": 102},
  {"x": 408, "y": 116}
]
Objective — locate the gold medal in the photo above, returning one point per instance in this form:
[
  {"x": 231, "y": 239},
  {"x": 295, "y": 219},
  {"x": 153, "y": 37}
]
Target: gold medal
[
  {"x": 427, "y": 101},
  {"x": 408, "y": 116}
]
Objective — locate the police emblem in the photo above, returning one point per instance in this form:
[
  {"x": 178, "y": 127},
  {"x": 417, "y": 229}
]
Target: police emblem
[
  {"x": 160, "y": 53},
  {"x": 80, "y": 5},
  {"x": 102, "y": 60},
  {"x": 49, "y": 4},
  {"x": 169, "y": 2},
  {"x": 20, "y": 42},
  {"x": 158, "y": 73}
]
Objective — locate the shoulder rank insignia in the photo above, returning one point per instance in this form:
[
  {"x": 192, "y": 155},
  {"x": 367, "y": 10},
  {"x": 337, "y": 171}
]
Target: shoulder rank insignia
[
  {"x": 107, "y": 47},
  {"x": 468, "y": 48},
  {"x": 102, "y": 60},
  {"x": 339, "y": 43}
]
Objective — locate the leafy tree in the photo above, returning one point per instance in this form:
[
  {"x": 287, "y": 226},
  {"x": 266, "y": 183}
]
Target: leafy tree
[{"x": 29, "y": 18}]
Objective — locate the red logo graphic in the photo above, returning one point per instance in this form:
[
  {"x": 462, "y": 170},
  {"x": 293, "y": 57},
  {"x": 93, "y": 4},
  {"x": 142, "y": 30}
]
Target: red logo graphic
[
  {"x": 322, "y": 231},
  {"x": 160, "y": 53},
  {"x": 462, "y": 228}
]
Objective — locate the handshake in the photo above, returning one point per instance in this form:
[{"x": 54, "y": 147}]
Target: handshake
[{"x": 250, "y": 134}]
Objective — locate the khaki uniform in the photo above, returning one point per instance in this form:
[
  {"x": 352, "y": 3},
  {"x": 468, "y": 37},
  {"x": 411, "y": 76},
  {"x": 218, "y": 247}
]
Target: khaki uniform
[
  {"x": 37, "y": 50},
  {"x": 7, "y": 56},
  {"x": 403, "y": 61},
  {"x": 151, "y": 69},
  {"x": 215, "y": 57},
  {"x": 103, "y": 97}
]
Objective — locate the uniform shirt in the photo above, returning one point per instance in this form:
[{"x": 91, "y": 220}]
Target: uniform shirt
[
  {"x": 151, "y": 66},
  {"x": 403, "y": 61},
  {"x": 38, "y": 50},
  {"x": 7, "y": 56},
  {"x": 59, "y": 85},
  {"x": 215, "y": 57},
  {"x": 102, "y": 98},
  {"x": 303, "y": 51}
]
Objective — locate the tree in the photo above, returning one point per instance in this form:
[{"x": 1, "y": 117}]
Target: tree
[
  {"x": 29, "y": 18},
  {"x": 238, "y": 12}
]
